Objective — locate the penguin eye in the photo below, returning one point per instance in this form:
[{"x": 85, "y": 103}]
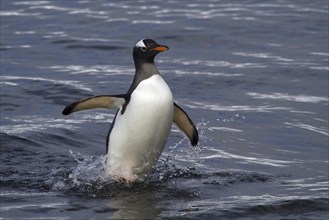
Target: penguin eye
[{"x": 143, "y": 48}]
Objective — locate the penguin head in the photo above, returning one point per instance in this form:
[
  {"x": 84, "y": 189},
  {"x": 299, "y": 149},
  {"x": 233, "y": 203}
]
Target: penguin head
[{"x": 146, "y": 49}]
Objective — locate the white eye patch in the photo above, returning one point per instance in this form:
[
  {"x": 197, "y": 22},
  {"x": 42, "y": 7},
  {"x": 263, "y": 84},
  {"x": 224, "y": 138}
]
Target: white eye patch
[{"x": 140, "y": 43}]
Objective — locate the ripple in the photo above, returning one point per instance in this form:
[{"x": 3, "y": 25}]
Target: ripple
[
  {"x": 31, "y": 2},
  {"x": 264, "y": 55},
  {"x": 287, "y": 97},
  {"x": 216, "y": 63},
  {"x": 50, "y": 7},
  {"x": 73, "y": 83},
  {"x": 320, "y": 54},
  {"x": 94, "y": 47},
  {"x": 5, "y": 47},
  {"x": 27, "y": 206},
  {"x": 323, "y": 130},
  {"x": 181, "y": 72},
  {"x": 235, "y": 108},
  {"x": 105, "y": 70},
  {"x": 18, "y": 13},
  {"x": 324, "y": 68},
  {"x": 308, "y": 184},
  {"x": 36, "y": 123},
  {"x": 24, "y": 32},
  {"x": 216, "y": 153},
  {"x": 8, "y": 83},
  {"x": 274, "y": 207},
  {"x": 117, "y": 19},
  {"x": 224, "y": 129},
  {"x": 152, "y": 22},
  {"x": 35, "y": 126}
]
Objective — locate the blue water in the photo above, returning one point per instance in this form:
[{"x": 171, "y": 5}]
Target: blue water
[{"x": 253, "y": 76}]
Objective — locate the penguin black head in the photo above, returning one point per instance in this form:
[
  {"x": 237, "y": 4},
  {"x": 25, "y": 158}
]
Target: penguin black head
[{"x": 146, "y": 49}]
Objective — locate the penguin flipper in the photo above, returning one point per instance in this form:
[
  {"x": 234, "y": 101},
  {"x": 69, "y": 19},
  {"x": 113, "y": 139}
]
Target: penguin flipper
[
  {"x": 102, "y": 101},
  {"x": 184, "y": 122}
]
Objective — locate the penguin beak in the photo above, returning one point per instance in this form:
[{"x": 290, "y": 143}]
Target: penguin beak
[{"x": 160, "y": 48}]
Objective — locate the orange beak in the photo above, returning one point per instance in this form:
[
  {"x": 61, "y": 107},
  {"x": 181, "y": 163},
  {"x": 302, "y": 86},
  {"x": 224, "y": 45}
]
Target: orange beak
[{"x": 160, "y": 48}]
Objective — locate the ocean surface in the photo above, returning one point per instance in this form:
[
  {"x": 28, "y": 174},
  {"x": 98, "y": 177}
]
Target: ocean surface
[{"x": 252, "y": 74}]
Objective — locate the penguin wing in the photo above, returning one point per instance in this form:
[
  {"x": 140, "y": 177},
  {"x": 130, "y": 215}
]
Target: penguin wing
[
  {"x": 184, "y": 122},
  {"x": 102, "y": 101}
]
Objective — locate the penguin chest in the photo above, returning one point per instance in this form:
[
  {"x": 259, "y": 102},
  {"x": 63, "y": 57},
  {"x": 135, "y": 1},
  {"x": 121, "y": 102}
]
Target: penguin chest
[{"x": 139, "y": 134}]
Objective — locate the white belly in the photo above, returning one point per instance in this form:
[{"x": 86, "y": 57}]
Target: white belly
[{"x": 139, "y": 135}]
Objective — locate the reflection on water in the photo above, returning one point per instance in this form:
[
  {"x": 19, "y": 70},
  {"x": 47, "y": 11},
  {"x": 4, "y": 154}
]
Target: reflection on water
[{"x": 136, "y": 205}]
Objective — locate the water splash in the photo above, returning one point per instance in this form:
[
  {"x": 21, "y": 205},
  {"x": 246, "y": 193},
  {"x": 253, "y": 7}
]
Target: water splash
[{"x": 89, "y": 178}]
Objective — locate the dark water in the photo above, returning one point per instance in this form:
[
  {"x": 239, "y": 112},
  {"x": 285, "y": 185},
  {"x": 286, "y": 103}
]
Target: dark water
[{"x": 253, "y": 75}]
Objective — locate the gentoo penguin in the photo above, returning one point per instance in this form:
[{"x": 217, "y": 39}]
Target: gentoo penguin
[{"x": 141, "y": 126}]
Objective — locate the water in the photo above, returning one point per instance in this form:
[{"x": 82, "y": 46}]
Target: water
[{"x": 253, "y": 75}]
